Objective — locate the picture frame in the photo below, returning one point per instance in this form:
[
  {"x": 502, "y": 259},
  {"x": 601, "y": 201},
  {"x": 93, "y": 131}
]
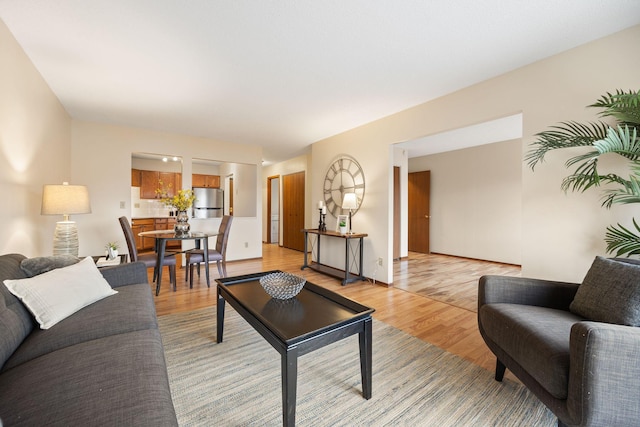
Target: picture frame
[{"x": 344, "y": 218}]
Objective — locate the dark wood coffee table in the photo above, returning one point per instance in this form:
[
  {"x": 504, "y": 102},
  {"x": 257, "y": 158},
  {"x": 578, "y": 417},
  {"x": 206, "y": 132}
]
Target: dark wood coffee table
[{"x": 314, "y": 318}]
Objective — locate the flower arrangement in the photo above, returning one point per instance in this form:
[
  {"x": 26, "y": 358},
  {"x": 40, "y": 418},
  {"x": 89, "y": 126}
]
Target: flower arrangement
[{"x": 181, "y": 201}]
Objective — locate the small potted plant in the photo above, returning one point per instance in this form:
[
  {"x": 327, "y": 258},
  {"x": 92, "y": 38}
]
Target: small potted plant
[
  {"x": 343, "y": 226},
  {"x": 111, "y": 250}
]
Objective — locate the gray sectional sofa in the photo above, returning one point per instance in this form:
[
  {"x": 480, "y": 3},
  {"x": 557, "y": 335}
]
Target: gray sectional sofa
[
  {"x": 102, "y": 366},
  {"x": 575, "y": 346}
]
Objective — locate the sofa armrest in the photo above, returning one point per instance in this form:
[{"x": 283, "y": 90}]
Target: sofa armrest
[
  {"x": 125, "y": 274},
  {"x": 603, "y": 378},
  {"x": 520, "y": 290}
]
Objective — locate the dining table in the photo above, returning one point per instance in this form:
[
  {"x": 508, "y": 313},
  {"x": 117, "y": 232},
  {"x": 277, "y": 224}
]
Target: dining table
[{"x": 161, "y": 237}]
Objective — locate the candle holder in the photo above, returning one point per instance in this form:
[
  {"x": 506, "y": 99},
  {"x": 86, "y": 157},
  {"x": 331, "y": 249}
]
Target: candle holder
[
  {"x": 324, "y": 222},
  {"x": 321, "y": 225}
]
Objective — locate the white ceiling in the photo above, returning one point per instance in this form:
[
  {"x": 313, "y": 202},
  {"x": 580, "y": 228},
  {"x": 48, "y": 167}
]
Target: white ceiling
[{"x": 284, "y": 74}]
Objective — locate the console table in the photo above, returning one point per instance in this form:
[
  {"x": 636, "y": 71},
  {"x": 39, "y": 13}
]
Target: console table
[{"x": 346, "y": 276}]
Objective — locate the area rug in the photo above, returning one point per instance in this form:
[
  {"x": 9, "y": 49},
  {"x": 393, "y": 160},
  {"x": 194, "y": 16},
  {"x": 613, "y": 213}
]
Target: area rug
[{"x": 237, "y": 382}]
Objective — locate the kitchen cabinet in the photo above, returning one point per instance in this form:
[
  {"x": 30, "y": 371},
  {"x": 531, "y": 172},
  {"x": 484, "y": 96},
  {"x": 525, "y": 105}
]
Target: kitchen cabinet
[
  {"x": 145, "y": 244},
  {"x": 149, "y": 185},
  {"x": 150, "y": 182},
  {"x": 168, "y": 224},
  {"x": 136, "y": 178},
  {"x": 138, "y": 226},
  {"x": 208, "y": 181},
  {"x": 171, "y": 182}
]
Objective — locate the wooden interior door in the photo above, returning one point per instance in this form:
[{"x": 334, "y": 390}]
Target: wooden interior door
[
  {"x": 419, "y": 214},
  {"x": 293, "y": 211},
  {"x": 396, "y": 212}
]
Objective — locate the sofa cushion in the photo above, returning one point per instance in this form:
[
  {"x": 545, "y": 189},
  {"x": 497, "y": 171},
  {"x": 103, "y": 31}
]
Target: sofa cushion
[
  {"x": 537, "y": 338},
  {"x": 34, "y": 266},
  {"x": 120, "y": 380},
  {"x": 131, "y": 309},
  {"x": 59, "y": 293},
  {"x": 15, "y": 321},
  {"x": 610, "y": 292}
]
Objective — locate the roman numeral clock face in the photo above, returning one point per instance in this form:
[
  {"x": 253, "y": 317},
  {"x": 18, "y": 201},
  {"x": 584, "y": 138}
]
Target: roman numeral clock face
[{"x": 344, "y": 176}]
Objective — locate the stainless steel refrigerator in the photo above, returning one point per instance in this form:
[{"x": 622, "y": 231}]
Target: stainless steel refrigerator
[{"x": 209, "y": 203}]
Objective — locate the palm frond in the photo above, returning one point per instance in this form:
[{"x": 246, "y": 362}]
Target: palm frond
[
  {"x": 564, "y": 135},
  {"x": 629, "y": 193},
  {"x": 623, "y": 141},
  {"x": 623, "y": 241},
  {"x": 624, "y": 106},
  {"x": 585, "y": 176}
]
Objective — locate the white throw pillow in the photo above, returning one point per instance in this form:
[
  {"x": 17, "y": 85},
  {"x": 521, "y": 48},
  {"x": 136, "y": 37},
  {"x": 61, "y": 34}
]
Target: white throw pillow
[{"x": 57, "y": 294}]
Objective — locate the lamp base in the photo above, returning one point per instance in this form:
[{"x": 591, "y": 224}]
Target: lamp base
[{"x": 65, "y": 238}]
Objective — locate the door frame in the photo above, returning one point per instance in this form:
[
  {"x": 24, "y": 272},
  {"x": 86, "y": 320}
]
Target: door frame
[{"x": 269, "y": 194}]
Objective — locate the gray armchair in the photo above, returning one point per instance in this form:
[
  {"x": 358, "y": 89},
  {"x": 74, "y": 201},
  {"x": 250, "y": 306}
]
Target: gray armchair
[{"x": 586, "y": 372}]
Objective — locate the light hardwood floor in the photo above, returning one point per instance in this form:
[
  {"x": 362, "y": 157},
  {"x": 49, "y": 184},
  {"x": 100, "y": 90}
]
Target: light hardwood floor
[
  {"x": 447, "y": 326},
  {"x": 448, "y": 279}
]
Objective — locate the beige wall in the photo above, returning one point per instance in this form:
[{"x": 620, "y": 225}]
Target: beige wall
[
  {"x": 561, "y": 233},
  {"x": 101, "y": 159},
  {"x": 35, "y": 148},
  {"x": 476, "y": 201}
]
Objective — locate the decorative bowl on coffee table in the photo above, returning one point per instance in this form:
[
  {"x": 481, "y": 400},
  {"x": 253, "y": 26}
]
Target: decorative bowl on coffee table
[{"x": 282, "y": 285}]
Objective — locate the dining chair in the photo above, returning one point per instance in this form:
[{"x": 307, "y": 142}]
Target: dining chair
[
  {"x": 219, "y": 254},
  {"x": 149, "y": 259}
]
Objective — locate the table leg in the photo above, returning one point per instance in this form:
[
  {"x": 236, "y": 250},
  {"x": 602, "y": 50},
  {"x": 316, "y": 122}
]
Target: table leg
[
  {"x": 206, "y": 258},
  {"x": 306, "y": 238},
  {"x": 346, "y": 262},
  {"x": 161, "y": 248},
  {"x": 360, "y": 268},
  {"x": 289, "y": 361},
  {"x": 220, "y": 318},
  {"x": 366, "y": 359}
]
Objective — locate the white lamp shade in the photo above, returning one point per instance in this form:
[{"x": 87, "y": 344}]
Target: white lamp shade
[
  {"x": 65, "y": 200},
  {"x": 350, "y": 201}
]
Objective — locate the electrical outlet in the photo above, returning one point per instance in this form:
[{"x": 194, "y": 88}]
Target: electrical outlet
[
  {"x": 380, "y": 261},
  {"x": 246, "y": 244},
  {"x": 122, "y": 205}
]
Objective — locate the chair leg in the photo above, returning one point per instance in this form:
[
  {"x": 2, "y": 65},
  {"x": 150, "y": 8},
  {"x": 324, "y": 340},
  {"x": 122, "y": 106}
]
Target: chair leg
[
  {"x": 186, "y": 272},
  {"x": 219, "y": 265},
  {"x": 500, "y": 368},
  {"x": 198, "y": 270},
  {"x": 157, "y": 287},
  {"x": 172, "y": 276},
  {"x": 190, "y": 276}
]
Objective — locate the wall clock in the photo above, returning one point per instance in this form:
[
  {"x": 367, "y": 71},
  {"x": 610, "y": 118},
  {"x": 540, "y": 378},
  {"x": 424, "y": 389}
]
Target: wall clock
[{"x": 343, "y": 176}]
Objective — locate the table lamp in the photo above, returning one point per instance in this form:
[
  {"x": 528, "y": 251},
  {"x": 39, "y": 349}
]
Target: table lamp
[
  {"x": 65, "y": 200},
  {"x": 350, "y": 201}
]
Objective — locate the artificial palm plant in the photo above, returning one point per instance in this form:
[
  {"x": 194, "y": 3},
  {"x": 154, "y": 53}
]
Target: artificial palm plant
[{"x": 619, "y": 135}]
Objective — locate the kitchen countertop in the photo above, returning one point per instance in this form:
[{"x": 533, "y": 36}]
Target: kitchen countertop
[
  {"x": 152, "y": 217},
  {"x": 167, "y": 217}
]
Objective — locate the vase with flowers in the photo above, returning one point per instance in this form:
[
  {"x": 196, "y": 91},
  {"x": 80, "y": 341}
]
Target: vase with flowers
[{"x": 181, "y": 202}]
